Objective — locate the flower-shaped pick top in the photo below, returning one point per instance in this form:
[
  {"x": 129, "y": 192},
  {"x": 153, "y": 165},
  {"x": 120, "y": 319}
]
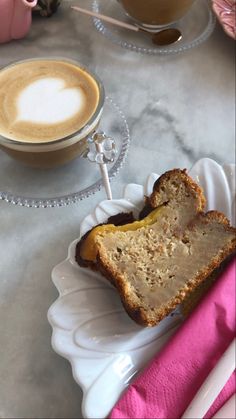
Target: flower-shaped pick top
[
  {"x": 101, "y": 148},
  {"x": 225, "y": 11}
]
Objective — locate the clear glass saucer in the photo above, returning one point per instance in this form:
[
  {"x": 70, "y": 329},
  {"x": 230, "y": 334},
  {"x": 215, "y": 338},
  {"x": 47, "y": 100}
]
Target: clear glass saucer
[
  {"x": 21, "y": 185},
  {"x": 195, "y": 27}
]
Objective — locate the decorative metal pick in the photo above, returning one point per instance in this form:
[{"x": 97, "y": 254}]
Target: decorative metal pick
[{"x": 102, "y": 150}]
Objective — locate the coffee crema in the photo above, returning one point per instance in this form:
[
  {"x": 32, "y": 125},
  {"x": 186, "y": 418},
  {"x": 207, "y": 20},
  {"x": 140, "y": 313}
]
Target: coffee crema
[{"x": 45, "y": 100}]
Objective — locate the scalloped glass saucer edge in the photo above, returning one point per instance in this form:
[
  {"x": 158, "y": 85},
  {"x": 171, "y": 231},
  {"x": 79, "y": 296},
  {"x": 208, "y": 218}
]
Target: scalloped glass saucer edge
[
  {"x": 74, "y": 197},
  {"x": 101, "y": 353},
  {"x": 179, "y": 48}
]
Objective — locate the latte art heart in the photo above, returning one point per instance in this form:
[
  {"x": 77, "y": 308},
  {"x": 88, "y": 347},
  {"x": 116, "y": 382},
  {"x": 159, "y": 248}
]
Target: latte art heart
[{"x": 48, "y": 101}]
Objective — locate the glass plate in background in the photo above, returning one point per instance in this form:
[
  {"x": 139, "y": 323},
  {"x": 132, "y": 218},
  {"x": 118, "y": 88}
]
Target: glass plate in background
[
  {"x": 21, "y": 185},
  {"x": 196, "y": 26}
]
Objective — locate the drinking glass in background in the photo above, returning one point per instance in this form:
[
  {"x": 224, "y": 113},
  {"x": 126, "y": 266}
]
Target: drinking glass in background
[{"x": 155, "y": 14}]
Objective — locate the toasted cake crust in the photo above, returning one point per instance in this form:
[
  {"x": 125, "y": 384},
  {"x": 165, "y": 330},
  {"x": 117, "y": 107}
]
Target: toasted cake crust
[
  {"x": 159, "y": 194},
  {"x": 153, "y": 251}
]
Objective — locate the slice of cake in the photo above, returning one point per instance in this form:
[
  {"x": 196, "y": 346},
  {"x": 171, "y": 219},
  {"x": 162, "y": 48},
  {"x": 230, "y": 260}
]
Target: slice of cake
[{"x": 157, "y": 262}]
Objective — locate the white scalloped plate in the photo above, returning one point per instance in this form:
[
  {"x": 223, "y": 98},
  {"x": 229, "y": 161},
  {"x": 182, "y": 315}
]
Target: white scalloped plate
[{"x": 90, "y": 327}]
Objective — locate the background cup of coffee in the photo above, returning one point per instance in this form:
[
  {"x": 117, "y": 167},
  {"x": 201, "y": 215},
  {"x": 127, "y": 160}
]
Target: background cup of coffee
[
  {"x": 154, "y": 14},
  {"x": 49, "y": 108}
]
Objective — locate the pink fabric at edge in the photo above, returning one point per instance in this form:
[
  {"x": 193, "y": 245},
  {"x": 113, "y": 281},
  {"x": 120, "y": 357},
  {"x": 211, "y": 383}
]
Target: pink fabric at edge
[{"x": 167, "y": 386}]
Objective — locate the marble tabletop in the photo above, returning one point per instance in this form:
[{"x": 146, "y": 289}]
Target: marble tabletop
[{"x": 179, "y": 109}]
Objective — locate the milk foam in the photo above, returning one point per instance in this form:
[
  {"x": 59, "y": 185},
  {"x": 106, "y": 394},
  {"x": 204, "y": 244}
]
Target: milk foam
[
  {"x": 49, "y": 101},
  {"x": 46, "y": 100}
]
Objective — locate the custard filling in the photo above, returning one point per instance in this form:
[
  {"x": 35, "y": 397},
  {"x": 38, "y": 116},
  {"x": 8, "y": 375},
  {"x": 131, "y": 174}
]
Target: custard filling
[{"x": 88, "y": 250}]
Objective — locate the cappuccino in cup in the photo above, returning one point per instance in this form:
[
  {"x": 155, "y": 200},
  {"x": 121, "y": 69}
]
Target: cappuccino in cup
[
  {"x": 156, "y": 13},
  {"x": 48, "y": 109}
]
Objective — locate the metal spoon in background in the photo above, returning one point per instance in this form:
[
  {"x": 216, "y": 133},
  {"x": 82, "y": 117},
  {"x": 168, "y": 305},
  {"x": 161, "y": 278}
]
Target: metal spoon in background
[
  {"x": 163, "y": 37},
  {"x": 167, "y": 36}
]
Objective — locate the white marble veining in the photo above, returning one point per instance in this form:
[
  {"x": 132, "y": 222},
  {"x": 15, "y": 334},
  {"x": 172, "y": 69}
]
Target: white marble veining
[{"x": 179, "y": 109}]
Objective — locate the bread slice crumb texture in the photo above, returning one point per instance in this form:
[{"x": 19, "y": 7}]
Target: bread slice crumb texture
[{"x": 158, "y": 261}]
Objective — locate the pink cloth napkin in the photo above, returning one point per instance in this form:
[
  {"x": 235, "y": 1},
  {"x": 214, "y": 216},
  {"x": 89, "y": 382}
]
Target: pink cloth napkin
[{"x": 167, "y": 386}]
